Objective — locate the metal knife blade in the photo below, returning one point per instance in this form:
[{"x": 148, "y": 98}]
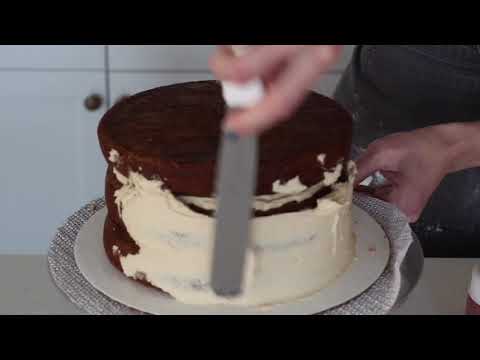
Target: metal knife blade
[{"x": 236, "y": 183}]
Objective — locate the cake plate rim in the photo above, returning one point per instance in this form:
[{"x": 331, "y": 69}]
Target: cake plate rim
[{"x": 94, "y": 265}]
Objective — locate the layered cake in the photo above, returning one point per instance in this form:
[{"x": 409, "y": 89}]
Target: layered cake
[{"x": 161, "y": 147}]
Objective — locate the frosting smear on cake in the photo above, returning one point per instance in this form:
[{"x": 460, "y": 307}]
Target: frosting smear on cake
[{"x": 292, "y": 255}]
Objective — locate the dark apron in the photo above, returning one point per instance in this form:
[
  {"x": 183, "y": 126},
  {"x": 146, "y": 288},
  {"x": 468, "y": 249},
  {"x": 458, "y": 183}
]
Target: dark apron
[{"x": 391, "y": 88}]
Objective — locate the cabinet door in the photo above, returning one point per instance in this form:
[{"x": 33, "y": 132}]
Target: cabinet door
[
  {"x": 49, "y": 154},
  {"x": 124, "y": 84},
  {"x": 74, "y": 57},
  {"x": 159, "y": 57}
]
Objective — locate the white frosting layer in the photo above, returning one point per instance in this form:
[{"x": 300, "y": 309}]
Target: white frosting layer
[
  {"x": 292, "y": 191},
  {"x": 332, "y": 177},
  {"x": 292, "y": 255}
]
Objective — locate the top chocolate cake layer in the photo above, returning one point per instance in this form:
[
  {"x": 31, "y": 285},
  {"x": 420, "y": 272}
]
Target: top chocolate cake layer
[{"x": 173, "y": 133}]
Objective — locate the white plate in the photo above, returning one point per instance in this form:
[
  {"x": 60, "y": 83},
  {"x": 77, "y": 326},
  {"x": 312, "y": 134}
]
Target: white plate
[{"x": 362, "y": 273}]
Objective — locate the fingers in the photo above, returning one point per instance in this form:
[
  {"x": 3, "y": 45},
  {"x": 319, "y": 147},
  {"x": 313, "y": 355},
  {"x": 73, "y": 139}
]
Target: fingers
[
  {"x": 286, "y": 93},
  {"x": 412, "y": 165},
  {"x": 370, "y": 162},
  {"x": 401, "y": 198},
  {"x": 408, "y": 199},
  {"x": 260, "y": 61},
  {"x": 383, "y": 192},
  {"x": 382, "y": 155},
  {"x": 406, "y": 196}
]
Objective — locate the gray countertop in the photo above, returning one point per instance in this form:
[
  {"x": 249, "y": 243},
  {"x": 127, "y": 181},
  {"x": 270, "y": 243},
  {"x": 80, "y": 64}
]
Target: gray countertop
[{"x": 26, "y": 288}]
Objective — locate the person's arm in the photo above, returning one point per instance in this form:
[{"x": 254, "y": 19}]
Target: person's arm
[
  {"x": 414, "y": 163},
  {"x": 289, "y": 72}
]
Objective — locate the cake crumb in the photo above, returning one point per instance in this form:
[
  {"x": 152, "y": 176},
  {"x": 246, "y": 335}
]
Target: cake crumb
[
  {"x": 116, "y": 250},
  {"x": 321, "y": 158},
  {"x": 114, "y": 156}
]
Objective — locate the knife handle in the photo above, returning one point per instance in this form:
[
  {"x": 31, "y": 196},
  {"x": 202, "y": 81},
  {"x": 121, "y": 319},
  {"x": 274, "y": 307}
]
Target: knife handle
[
  {"x": 239, "y": 50},
  {"x": 243, "y": 95}
]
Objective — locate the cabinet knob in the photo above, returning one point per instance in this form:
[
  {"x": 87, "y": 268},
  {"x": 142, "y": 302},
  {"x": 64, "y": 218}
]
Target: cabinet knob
[{"x": 93, "y": 102}]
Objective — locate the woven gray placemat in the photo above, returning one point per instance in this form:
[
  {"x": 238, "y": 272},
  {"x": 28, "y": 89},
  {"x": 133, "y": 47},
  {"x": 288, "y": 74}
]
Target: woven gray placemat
[{"x": 378, "y": 299}]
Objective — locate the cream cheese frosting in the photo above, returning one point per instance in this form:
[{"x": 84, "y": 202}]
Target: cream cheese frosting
[
  {"x": 292, "y": 191},
  {"x": 291, "y": 255},
  {"x": 292, "y": 186},
  {"x": 332, "y": 177}
]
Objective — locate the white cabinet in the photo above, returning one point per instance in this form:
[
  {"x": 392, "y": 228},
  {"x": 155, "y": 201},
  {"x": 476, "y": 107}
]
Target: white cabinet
[
  {"x": 122, "y": 84},
  {"x": 160, "y": 57},
  {"x": 179, "y": 57},
  {"x": 34, "y": 57},
  {"x": 135, "y": 68},
  {"x": 49, "y": 154}
]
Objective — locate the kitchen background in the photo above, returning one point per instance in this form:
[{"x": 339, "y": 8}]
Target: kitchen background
[{"x": 51, "y": 100}]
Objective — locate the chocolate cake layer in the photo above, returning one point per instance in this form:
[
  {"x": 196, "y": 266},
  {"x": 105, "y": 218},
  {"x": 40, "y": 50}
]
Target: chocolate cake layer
[
  {"x": 172, "y": 133},
  {"x": 117, "y": 242}
]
